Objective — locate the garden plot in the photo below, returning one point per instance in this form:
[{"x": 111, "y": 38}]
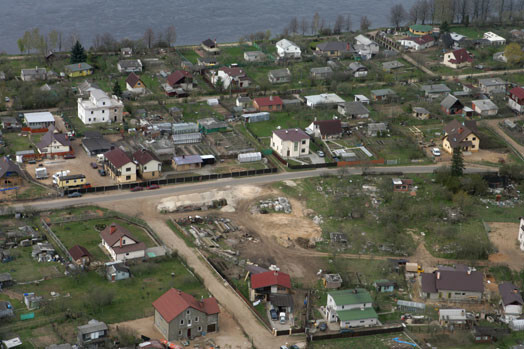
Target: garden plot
[
  {"x": 349, "y": 148},
  {"x": 228, "y": 143}
]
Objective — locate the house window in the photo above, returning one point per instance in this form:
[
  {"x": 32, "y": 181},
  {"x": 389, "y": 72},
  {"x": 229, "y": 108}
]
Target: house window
[
  {"x": 474, "y": 138},
  {"x": 145, "y": 167},
  {"x": 303, "y": 150},
  {"x": 128, "y": 178},
  {"x": 103, "y": 103},
  {"x": 196, "y": 318},
  {"x": 342, "y": 307},
  {"x": 128, "y": 169},
  {"x": 115, "y": 110},
  {"x": 295, "y": 146},
  {"x": 103, "y": 111},
  {"x": 187, "y": 312},
  {"x": 304, "y": 141},
  {"x": 180, "y": 332},
  {"x": 182, "y": 322},
  {"x": 127, "y": 254},
  {"x": 92, "y": 112},
  {"x": 188, "y": 322},
  {"x": 199, "y": 328}
]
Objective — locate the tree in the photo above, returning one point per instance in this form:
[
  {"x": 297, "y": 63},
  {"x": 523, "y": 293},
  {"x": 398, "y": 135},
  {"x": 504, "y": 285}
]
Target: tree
[
  {"x": 293, "y": 25},
  {"x": 339, "y": 23},
  {"x": 444, "y": 27},
  {"x": 149, "y": 38},
  {"x": 78, "y": 54},
  {"x": 315, "y": 24},
  {"x": 397, "y": 15},
  {"x": 219, "y": 84},
  {"x": 348, "y": 23},
  {"x": 513, "y": 53},
  {"x": 21, "y": 45},
  {"x": 52, "y": 39},
  {"x": 414, "y": 13},
  {"x": 304, "y": 25},
  {"x": 365, "y": 23},
  {"x": 171, "y": 35},
  {"x": 457, "y": 162},
  {"x": 117, "y": 90}
]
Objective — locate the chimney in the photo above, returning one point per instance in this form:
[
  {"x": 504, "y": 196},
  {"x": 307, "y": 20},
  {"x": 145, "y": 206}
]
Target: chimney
[
  {"x": 438, "y": 275},
  {"x": 460, "y": 130},
  {"x": 79, "y": 65},
  {"x": 286, "y": 131},
  {"x": 112, "y": 228},
  {"x": 121, "y": 241},
  {"x": 270, "y": 98},
  {"x": 469, "y": 271},
  {"x": 179, "y": 292},
  {"x": 183, "y": 156},
  {"x": 275, "y": 273},
  {"x": 347, "y": 46}
]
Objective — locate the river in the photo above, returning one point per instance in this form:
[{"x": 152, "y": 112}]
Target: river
[{"x": 196, "y": 20}]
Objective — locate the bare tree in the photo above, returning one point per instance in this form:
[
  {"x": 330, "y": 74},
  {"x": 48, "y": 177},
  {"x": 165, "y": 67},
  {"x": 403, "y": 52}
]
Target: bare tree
[
  {"x": 339, "y": 22},
  {"x": 322, "y": 25},
  {"x": 414, "y": 12},
  {"x": 149, "y": 38},
  {"x": 52, "y": 39},
  {"x": 59, "y": 41},
  {"x": 365, "y": 23},
  {"x": 108, "y": 42},
  {"x": 463, "y": 10},
  {"x": 348, "y": 23},
  {"x": 171, "y": 35},
  {"x": 511, "y": 6},
  {"x": 315, "y": 24},
  {"x": 423, "y": 10},
  {"x": 397, "y": 15},
  {"x": 501, "y": 10},
  {"x": 304, "y": 25},
  {"x": 293, "y": 25},
  {"x": 97, "y": 42}
]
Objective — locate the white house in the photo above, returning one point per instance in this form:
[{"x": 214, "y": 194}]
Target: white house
[
  {"x": 511, "y": 301},
  {"x": 458, "y": 59},
  {"x": 362, "y": 99},
  {"x": 100, "y": 108},
  {"x": 286, "y": 48},
  {"x": 324, "y": 99},
  {"x": 366, "y": 44},
  {"x": 54, "y": 144},
  {"x": 234, "y": 77},
  {"x": 494, "y": 39},
  {"x": 129, "y": 66},
  {"x": 121, "y": 244},
  {"x": 452, "y": 316},
  {"x": 290, "y": 143},
  {"x": 418, "y": 43},
  {"x": 485, "y": 107},
  {"x": 351, "y": 308},
  {"x": 148, "y": 166}
]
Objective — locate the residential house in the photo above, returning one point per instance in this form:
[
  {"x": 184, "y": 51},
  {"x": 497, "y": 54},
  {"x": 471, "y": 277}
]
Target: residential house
[
  {"x": 54, "y": 144},
  {"x": 392, "y": 65},
  {"x": 451, "y": 105},
  {"x": 334, "y": 49},
  {"x": 134, "y": 84},
  {"x": 485, "y": 107},
  {"x": 463, "y": 135},
  {"x": 351, "y": 308},
  {"x": 435, "y": 91},
  {"x": 39, "y": 120},
  {"x": 254, "y": 56},
  {"x": 383, "y": 94},
  {"x": 120, "y": 166},
  {"x": 33, "y": 74},
  {"x": 80, "y": 255},
  {"x": 353, "y": 110},
  {"x": 78, "y": 69},
  {"x": 279, "y": 76},
  {"x": 9, "y": 122},
  {"x": 187, "y": 162},
  {"x": 243, "y": 102},
  {"x": 402, "y": 185},
  {"x": 290, "y": 143},
  {"x": 11, "y": 343},
  {"x": 211, "y": 125},
  {"x": 126, "y": 51},
  {"x": 452, "y": 316},
  {"x": 458, "y": 59},
  {"x": 516, "y": 99},
  {"x": 326, "y": 129},
  {"x": 10, "y": 173},
  {"x": 358, "y": 70},
  {"x": 179, "y": 316},
  {"x": 6, "y": 310},
  {"x": 271, "y": 103},
  {"x": 321, "y": 73},
  {"x": 100, "y": 108},
  {"x": 376, "y": 129},
  {"x": 494, "y": 39},
  {"x": 116, "y": 271},
  {"x": 95, "y": 144},
  {"x": 93, "y": 335},
  {"x": 362, "y": 99},
  {"x": 461, "y": 285},
  {"x": 234, "y": 78},
  {"x": 210, "y": 46},
  {"x": 511, "y": 301},
  {"x": 418, "y": 43},
  {"x": 492, "y": 86},
  {"x": 288, "y": 49},
  {"x": 332, "y": 281},
  {"x": 148, "y": 166},
  {"x": 323, "y": 100},
  {"x": 178, "y": 83},
  {"x": 365, "y": 44},
  {"x": 121, "y": 244},
  {"x": 2, "y": 75},
  {"x": 421, "y": 113},
  {"x": 384, "y": 286},
  {"x": 420, "y": 29},
  {"x": 129, "y": 66},
  {"x": 32, "y": 301},
  {"x": 262, "y": 285},
  {"x": 208, "y": 61},
  {"x": 500, "y": 57}
]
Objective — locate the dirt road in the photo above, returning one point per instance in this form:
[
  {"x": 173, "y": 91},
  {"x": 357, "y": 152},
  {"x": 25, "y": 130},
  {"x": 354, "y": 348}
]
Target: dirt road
[
  {"x": 487, "y": 73},
  {"x": 494, "y": 125}
]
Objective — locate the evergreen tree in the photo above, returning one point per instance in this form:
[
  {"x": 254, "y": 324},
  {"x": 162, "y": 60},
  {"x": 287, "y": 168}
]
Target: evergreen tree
[
  {"x": 444, "y": 27},
  {"x": 457, "y": 163},
  {"x": 117, "y": 90},
  {"x": 78, "y": 54}
]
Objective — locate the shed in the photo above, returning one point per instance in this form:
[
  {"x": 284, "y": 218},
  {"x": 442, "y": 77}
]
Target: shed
[
  {"x": 412, "y": 307},
  {"x": 255, "y": 117},
  {"x": 116, "y": 271},
  {"x": 187, "y": 162},
  {"x": 384, "y": 285},
  {"x": 332, "y": 281}
]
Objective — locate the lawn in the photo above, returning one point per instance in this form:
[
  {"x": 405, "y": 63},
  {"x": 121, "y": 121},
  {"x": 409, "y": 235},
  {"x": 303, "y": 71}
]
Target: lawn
[
  {"x": 376, "y": 342},
  {"x": 24, "y": 268},
  {"x": 34, "y": 191},
  {"x": 16, "y": 142},
  {"x": 194, "y": 111},
  {"x": 84, "y": 233}
]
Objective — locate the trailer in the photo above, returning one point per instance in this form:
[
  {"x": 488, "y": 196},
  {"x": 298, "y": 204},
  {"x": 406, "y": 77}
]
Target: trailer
[{"x": 41, "y": 173}]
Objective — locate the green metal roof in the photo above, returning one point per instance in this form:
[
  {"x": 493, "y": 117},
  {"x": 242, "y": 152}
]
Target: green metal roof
[
  {"x": 421, "y": 27},
  {"x": 357, "y": 314},
  {"x": 78, "y": 67},
  {"x": 353, "y": 296}
]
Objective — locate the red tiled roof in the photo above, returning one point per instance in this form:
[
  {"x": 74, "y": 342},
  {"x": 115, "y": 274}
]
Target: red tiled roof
[
  {"x": 175, "y": 77},
  {"x": 461, "y": 56},
  {"x": 270, "y": 278},
  {"x": 267, "y": 101},
  {"x": 329, "y": 127},
  {"x": 517, "y": 92},
  {"x": 292, "y": 134},
  {"x": 139, "y": 246},
  {"x": 119, "y": 232},
  {"x": 143, "y": 157},
  {"x": 132, "y": 79},
  {"x": 78, "y": 252},
  {"x": 174, "y": 302},
  {"x": 117, "y": 157},
  {"x": 424, "y": 39}
]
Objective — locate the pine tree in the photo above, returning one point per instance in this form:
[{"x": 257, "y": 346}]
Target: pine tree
[
  {"x": 117, "y": 90},
  {"x": 78, "y": 54},
  {"x": 457, "y": 163}
]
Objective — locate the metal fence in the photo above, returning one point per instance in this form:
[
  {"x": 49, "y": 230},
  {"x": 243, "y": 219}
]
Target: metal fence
[{"x": 56, "y": 240}]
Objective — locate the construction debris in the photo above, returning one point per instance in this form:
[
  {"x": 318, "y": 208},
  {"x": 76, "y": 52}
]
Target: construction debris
[{"x": 280, "y": 204}]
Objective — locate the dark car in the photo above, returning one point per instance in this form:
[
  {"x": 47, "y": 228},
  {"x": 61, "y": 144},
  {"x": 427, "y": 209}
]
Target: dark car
[
  {"x": 153, "y": 186},
  {"x": 322, "y": 327},
  {"x": 69, "y": 156},
  {"x": 32, "y": 161},
  {"x": 102, "y": 172},
  {"x": 94, "y": 165},
  {"x": 137, "y": 188},
  {"x": 74, "y": 194},
  {"x": 273, "y": 314}
]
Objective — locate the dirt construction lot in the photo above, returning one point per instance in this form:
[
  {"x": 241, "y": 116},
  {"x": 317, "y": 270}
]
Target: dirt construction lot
[{"x": 504, "y": 237}]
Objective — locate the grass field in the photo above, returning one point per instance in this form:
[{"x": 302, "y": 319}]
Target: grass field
[
  {"x": 382, "y": 341},
  {"x": 15, "y": 142},
  {"x": 24, "y": 268}
]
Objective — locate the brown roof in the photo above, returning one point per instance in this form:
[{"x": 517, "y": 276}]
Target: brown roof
[
  {"x": 461, "y": 56},
  {"x": 510, "y": 294},
  {"x": 233, "y": 72},
  {"x": 292, "y": 134},
  {"x": 424, "y": 39},
  {"x": 139, "y": 246},
  {"x": 452, "y": 280},
  {"x": 175, "y": 77},
  {"x": 132, "y": 79},
  {"x": 456, "y": 132},
  {"x": 517, "y": 92},
  {"x": 329, "y": 127},
  {"x": 7, "y": 167},
  {"x": 78, "y": 252},
  {"x": 50, "y": 135},
  {"x": 267, "y": 101},
  {"x": 114, "y": 232},
  {"x": 143, "y": 156},
  {"x": 117, "y": 157},
  {"x": 174, "y": 302}
]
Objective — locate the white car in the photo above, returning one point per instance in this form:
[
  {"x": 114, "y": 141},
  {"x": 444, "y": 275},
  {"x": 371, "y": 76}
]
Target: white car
[
  {"x": 321, "y": 153},
  {"x": 435, "y": 151}
]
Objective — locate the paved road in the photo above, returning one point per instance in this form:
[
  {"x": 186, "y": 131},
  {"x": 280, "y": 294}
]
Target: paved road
[{"x": 206, "y": 186}]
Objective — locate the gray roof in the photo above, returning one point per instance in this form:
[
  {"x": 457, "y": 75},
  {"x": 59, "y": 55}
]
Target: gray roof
[
  {"x": 355, "y": 108},
  {"x": 485, "y": 104},
  {"x": 420, "y": 110},
  {"x": 453, "y": 280},
  {"x": 50, "y": 135},
  {"x": 449, "y": 101},
  {"x": 280, "y": 73},
  {"x": 392, "y": 65},
  {"x": 7, "y": 165},
  {"x": 379, "y": 126},
  {"x": 334, "y": 46},
  {"x": 321, "y": 70},
  {"x": 92, "y": 326},
  {"x": 383, "y": 92},
  {"x": 492, "y": 82},
  {"x": 437, "y": 88},
  {"x": 96, "y": 144},
  {"x": 281, "y": 300},
  {"x": 5, "y": 277},
  {"x": 187, "y": 159},
  {"x": 34, "y": 71},
  {"x": 77, "y": 67},
  {"x": 510, "y": 294},
  {"x": 130, "y": 63},
  {"x": 356, "y": 66}
]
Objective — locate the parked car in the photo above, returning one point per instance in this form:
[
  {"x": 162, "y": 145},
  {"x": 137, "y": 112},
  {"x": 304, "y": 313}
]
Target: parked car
[
  {"x": 74, "y": 194},
  {"x": 32, "y": 161},
  {"x": 137, "y": 188},
  {"x": 274, "y": 315},
  {"x": 7, "y": 99},
  {"x": 321, "y": 153},
  {"x": 69, "y": 156},
  {"x": 101, "y": 172},
  {"x": 282, "y": 317},
  {"x": 322, "y": 327},
  {"x": 94, "y": 165},
  {"x": 153, "y": 186},
  {"x": 435, "y": 151}
]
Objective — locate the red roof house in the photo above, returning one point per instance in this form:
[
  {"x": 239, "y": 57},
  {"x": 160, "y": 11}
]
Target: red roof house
[
  {"x": 262, "y": 285},
  {"x": 271, "y": 103},
  {"x": 121, "y": 244},
  {"x": 516, "y": 99},
  {"x": 326, "y": 128},
  {"x": 80, "y": 254},
  {"x": 179, "y": 77},
  {"x": 458, "y": 58}
]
